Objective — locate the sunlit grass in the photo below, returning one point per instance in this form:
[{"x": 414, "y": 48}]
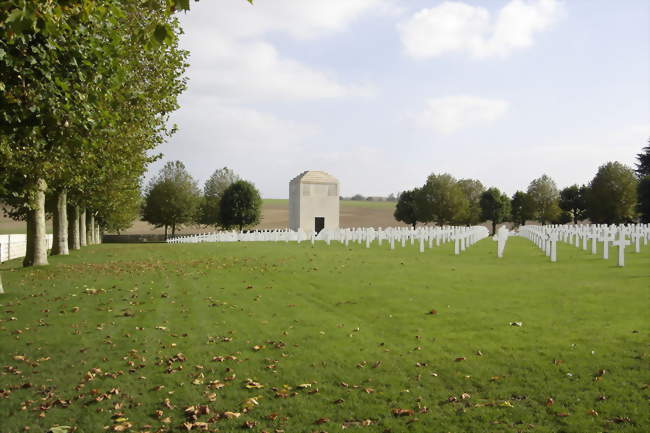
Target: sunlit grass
[{"x": 333, "y": 335}]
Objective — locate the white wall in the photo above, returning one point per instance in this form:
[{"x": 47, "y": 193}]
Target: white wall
[
  {"x": 319, "y": 200},
  {"x": 15, "y": 246}
]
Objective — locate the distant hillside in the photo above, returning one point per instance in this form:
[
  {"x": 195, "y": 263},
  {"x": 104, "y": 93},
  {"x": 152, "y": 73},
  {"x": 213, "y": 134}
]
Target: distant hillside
[{"x": 275, "y": 214}]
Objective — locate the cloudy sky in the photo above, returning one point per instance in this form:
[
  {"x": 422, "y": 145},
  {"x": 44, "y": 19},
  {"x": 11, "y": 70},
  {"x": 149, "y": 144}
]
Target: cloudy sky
[{"x": 381, "y": 93}]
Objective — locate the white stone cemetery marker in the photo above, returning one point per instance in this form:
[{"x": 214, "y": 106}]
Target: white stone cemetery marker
[
  {"x": 403, "y": 239},
  {"x": 547, "y": 245},
  {"x": 392, "y": 241},
  {"x": 553, "y": 243},
  {"x": 594, "y": 239},
  {"x": 421, "y": 243},
  {"x": 501, "y": 237},
  {"x": 637, "y": 241},
  {"x": 621, "y": 242},
  {"x": 606, "y": 238},
  {"x": 456, "y": 245}
]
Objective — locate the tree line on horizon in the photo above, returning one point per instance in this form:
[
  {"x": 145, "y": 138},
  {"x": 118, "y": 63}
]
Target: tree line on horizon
[
  {"x": 617, "y": 194},
  {"x": 173, "y": 199}
]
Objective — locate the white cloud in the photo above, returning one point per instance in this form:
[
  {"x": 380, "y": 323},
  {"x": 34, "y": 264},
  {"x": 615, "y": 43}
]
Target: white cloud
[
  {"x": 255, "y": 71},
  {"x": 300, "y": 19},
  {"x": 257, "y": 145},
  {"x": 452, "y": 113},
  {"x": 231, "y": 58},
  {"x": 462, "y": 28}
]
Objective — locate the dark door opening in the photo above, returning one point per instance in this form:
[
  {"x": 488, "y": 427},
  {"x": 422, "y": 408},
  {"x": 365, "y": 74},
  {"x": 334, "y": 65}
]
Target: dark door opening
[{"x": 319, "y": 224}]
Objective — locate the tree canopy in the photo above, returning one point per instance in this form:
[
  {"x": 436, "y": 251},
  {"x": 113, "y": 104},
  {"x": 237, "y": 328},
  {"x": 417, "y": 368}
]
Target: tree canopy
[
  {"x": 643, "y": 197},
  {"x": 612, "y": 196},
  {"x": 215, "y": 186},
  {"x": 441, "y": 200},
  {"x": 643, "y": 165},
  {"x": 521, "y": 208},
  {"x": 240, "y": 206},
  {"x": 495, "y": 206},
  {"x": 87, "y": 94},
  {"x": 544, "y": 199},
  {"x": 171, "y": 198},
  {"x": 406, "y": 207},
  {"x": 473, "y": 189},
  {"x": 573, "y": 200}
]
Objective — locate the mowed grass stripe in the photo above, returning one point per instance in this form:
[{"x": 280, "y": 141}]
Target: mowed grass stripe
[{"x": 328, "y": 315}]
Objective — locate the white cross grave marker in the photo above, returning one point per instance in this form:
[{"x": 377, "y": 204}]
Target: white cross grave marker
[
  {"x": 501, "y": 237},
  {"x": 621, "y": 243}
]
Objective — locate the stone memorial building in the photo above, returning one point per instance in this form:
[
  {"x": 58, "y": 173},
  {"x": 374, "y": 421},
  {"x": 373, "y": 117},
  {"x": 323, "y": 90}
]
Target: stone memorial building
[{"x": 313, "y": 202}]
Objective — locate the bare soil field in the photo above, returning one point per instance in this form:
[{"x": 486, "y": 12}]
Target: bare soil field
[{"x": 275, "y": 214}]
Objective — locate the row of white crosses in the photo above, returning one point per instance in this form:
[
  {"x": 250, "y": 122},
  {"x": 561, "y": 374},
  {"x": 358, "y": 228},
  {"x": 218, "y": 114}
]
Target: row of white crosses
[
  {"x": 463, "y": 237},
  {"x": 546, "y": 237},
  {"x": 237, "y": 236}
]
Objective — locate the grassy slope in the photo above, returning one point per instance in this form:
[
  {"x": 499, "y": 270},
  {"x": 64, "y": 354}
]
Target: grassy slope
[{"x": 337, "y": 313}]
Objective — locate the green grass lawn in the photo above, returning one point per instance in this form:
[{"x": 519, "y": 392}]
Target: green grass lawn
[{"x": 302, "y": 339}]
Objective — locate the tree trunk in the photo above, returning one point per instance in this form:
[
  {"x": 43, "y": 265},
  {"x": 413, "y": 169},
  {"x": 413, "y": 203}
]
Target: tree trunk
[
  {"x": 83, "y": 240},
  {"x": 36, "y": 254},
  {"x": 173, "y": 229},
  {"x": 60, "y": 225},
  {"x": 494, "y": 228},
  {"x": 73, "y": 229},
  {"x": 29, "y": 247},
  {"x": 165, "y": 231},
  {"x": 91, "y": 229}
]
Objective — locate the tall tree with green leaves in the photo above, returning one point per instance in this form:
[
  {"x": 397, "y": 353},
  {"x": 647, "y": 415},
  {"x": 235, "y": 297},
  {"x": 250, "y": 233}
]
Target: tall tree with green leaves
[
  {"x": 643, "y": 190},
  {"x": 612, "y": 195},
  {"x": 240, "y": 206},
  {"x": 495, "y": 207},
  {"x": 171, "y": 198},
  {"x": 71, "y": 76},
  {"x": 521, "y": 208},
  {"x": 473, "y": 190},
  {"x": 215, "y": 186},
  {"x": 573, "y": 199},
  {"x": 406, "y": 207},
  {"x": 643, "y": 197},
  {"x": 441, "y": 200},
  {"x": 643, "y": 165},
  {"x": 544, "y": 197}
]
